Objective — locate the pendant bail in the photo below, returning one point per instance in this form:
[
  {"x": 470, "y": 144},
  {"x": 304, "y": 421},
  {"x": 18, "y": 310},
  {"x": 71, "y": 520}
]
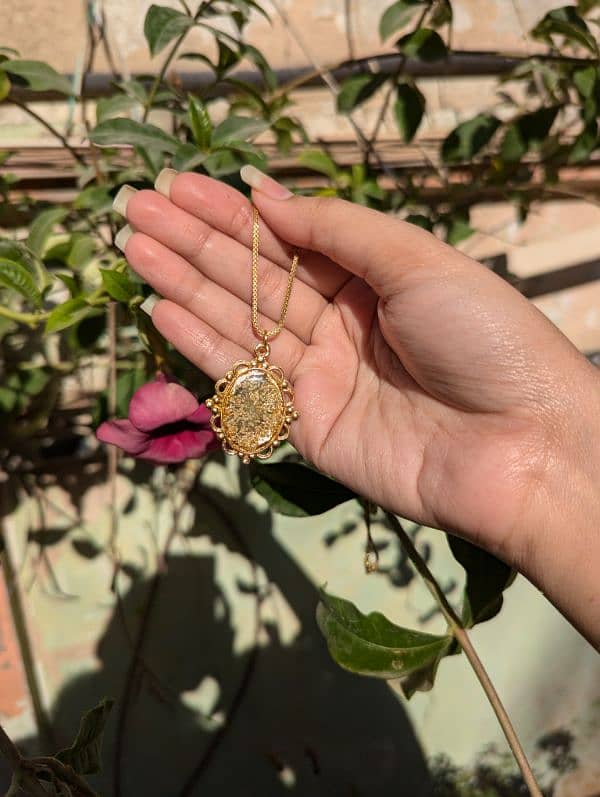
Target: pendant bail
[{"x": 262, "y": 350}]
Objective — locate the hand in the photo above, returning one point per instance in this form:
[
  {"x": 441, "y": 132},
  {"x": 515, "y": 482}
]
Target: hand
[{"x": 424, "y": 381}]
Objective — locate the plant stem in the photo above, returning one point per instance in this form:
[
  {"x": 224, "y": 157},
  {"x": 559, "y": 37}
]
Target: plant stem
[
  {"x": 28, "y": 781},
  {"x": 393, "y": 82},
  {"x": 161, "y": 75},
  {"x": 25, "y": 318},
  {"x": 113, "y": 451},
  {"x": 460, "y": 634},
  {"x": 79, "y": 158}
]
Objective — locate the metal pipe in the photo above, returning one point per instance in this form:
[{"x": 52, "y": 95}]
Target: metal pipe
[{"x": 458, "y": 64}]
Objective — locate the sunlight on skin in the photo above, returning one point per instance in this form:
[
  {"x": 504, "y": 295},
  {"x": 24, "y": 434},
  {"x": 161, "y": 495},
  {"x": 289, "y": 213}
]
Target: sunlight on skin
[{"x": 424, "y": 381}]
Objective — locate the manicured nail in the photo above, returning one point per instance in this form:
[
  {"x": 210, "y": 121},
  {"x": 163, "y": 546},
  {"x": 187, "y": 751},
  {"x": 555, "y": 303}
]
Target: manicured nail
[
  {"x": 164, "y": 181},
  {"x": 148, "y": 304},
  {"x": 122, "y": 198},
  {"x": 263, "y": 183},
  {"x": 123, "y": 236}
]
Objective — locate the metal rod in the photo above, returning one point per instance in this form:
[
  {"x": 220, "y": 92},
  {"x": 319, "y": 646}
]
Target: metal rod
[{"x": 457, "y": 64}]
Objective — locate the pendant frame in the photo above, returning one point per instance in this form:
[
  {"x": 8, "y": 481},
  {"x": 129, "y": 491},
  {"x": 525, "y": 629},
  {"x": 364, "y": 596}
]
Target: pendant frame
[{"x": 273, "y": 376}]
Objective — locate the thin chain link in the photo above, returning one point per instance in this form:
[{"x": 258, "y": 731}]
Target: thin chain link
[{"x": 265, "y": 334}]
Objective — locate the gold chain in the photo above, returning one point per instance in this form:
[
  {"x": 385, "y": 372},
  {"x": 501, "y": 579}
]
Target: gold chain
[{"x": 259, "y": 331}]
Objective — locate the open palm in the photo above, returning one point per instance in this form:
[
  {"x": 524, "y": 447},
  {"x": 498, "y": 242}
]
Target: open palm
[{"x": 413, "y": 366}]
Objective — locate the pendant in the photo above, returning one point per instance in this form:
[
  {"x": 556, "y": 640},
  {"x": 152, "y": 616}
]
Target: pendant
[{"x": 253, "y": 407}]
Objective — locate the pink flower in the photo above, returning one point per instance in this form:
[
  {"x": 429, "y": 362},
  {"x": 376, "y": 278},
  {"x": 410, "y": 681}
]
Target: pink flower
[{"x": 166, "y": 424}]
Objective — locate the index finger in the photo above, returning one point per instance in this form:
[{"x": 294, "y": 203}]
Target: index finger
[{"x": 224, "y": 208}]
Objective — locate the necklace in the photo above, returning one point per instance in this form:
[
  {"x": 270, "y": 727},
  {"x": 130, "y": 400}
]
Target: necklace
[{"x": 253, "y": 404}]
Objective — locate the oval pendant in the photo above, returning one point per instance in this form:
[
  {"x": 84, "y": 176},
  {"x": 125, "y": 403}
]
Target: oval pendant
[{"x": 253, "y": 407}]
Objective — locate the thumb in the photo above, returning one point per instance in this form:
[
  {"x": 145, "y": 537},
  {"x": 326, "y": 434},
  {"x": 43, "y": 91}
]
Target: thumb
[{"x": 371, "y": 245}]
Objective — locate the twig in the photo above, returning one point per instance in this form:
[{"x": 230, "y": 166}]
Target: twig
[
  {"x": 460, "y": 634},
  {"x": 51, "y": 129},
  {"x": 31, "y": 319},
  {"x": 25, "y": 779},
  {"x": 349, "y": 29},
  {"x": 163, "y": 71},
  {"x": 113, "y": 451},
  {"x": 325, "y": 74},
  {"x": 328, "y": 78},
  {"x": 20, "y": 624},
  {"x": 386, "y": 102}
]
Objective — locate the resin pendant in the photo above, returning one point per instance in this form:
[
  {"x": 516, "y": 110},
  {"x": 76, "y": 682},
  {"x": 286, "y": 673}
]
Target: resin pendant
[{"x": 253, "y": 407}]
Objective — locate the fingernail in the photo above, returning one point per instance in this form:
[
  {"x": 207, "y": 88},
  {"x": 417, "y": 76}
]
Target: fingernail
[
  {"x": 148, "y": 304},
  {"x": 122, "y": 198},
  {"x": 164, "y": 181},
  {"x": 123, "y": 236},
  {"x": 263, "y": 183}
]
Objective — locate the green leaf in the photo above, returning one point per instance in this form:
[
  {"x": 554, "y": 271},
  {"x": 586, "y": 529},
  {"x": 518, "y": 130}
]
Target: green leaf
[
  {"x": 585, "y": 81},
  {"x": 95, "y": 198},
  {"x": 294, "y": 489},
  {"x": 318, "y": 161},
  {"x": 527, "y": 132},
  {"x": 237, "y": 127},
  {"x": 425, "y": 44},
  {"x": 127, "y": 383},
  {"x": 469, "y": 138},
  {"x": 68, "y": 313},
  {"x": 408, "y": 110},
  {"x": 38, "y": 75},
  {"x": 585, "y": 6},
  {"x": 84, "y": 755},
  {"x": 487, "y": 578},
  {"x": 441, "y": 14},
  {"x": 396, "y": 16},
  {"x": 187, "y": 157},
  {"x": 70, "y": 282},
  {"x": 162, "y": 25},
  {"x": 258, "y": 59},
  {"x": 458, "y": 229},
  {"x": 109, "y": 107},
  {"x": 42, "y": 228},
  {"x": 21, "y": 253},
  {"x": 83, "y": 247},
  {"x": 419, "y": 220},
  {"x": 223, "y": 162},
  {"x": 371, "y": 644},
  {"x": 117, "y": 285},
  {"x": 585, "y": 143},
  {"x": 227, "y": 59},
  {"x": 200, "y": 122},
  {"x": 4, "y": 85},
  {"x": 15, "y": 275},
  {"x": 114, "y": 132},
  {"x": 357, "y": 89},
  {"x": 565, "y": 22}
]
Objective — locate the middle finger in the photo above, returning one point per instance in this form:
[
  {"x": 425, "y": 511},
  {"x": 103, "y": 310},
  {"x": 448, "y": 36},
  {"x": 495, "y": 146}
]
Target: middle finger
[{"x": 224, "y": 260}]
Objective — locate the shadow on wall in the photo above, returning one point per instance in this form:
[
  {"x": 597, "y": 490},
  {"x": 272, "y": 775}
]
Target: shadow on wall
[{"x": 304, "y": 726}]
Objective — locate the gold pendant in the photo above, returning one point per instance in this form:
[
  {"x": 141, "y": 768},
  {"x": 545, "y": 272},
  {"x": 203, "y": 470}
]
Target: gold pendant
[{"x": 253, "y": 407}]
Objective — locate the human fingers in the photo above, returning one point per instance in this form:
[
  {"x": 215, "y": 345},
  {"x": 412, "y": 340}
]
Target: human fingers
[
  {"x": 220, "y": 258},
  {"x": 224, "y": 208},
  {"x": 371, "y": 245},
  {"x": 175, "y": 279},
  {"x": 200, "y": 343}
]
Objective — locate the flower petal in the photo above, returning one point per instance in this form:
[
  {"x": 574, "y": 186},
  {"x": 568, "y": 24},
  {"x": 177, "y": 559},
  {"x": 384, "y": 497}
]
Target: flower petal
[
  {"x": 181, "y": 446},
  {"x": 124, "y": 434},
  {"x": 158, "y": 403},
  {"x": 201, "y": 416}
]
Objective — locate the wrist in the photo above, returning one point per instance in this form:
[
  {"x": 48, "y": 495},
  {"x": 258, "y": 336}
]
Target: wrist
[{"x": 564, "y": 531}]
